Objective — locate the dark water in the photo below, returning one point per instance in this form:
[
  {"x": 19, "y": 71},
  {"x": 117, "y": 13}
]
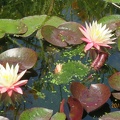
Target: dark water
[{"x": 72, "y": 10}]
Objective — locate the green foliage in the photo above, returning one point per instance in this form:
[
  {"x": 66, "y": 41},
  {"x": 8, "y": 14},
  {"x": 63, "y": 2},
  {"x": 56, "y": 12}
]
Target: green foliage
[
  {"x": 74, "y": 51},
  {"x": 109, "y": 19},
  {"x": 58, "y": 116},
  {"x": 36, "y": 113},
  {"x": 11, "y": 27},
  {"x": 113, "y": 1},
  {"x": 70, "y": 70}
]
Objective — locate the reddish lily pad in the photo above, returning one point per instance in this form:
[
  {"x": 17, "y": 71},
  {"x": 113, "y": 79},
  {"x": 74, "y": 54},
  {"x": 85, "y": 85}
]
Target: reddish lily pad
[
  {"x": 114, "y": 81},
  {"x": 76, "y": 109},
  {"x": 111, "y": 116},
  {"x": 73, "y": 27},
  {"x": 24, "y": 56},
  {"x": 52, "y": 35},
  {"x": 61, "y": 37},
  {"x": 91, "y": 98}
]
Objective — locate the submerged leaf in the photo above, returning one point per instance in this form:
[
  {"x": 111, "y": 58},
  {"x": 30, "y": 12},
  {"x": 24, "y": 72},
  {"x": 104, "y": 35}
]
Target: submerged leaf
[
  {"x": 36, "y": 114},
  {"x": 69, "y": 70},
  {"x": 26, "y": 57}
]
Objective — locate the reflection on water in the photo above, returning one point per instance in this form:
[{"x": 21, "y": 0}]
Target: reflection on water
[{"x": 71, "y": 10}]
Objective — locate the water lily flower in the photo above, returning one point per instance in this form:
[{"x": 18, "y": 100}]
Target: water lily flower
[
  {"x": 58, "y": 68},
  {"x": 96, "y": 35},
  {"x": 9, "y": 79}
]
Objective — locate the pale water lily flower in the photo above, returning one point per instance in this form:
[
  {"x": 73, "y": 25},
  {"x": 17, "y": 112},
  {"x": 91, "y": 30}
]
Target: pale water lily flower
[
  {"x": 96, "y": 35},
  {"x": 9, "y": 79}
]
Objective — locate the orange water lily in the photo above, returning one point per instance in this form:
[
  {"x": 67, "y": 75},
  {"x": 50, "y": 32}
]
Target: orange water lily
[
  {"x": 9, "y": 79},
  {"x": 96, "y": 35}
]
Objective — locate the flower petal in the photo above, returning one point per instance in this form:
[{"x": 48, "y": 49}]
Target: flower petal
[
  {"x": 3, "y": 90},
  {"x": 20, "y": 83},
  {"x": 20, "y": 75},
  {"x": 88, "y": 46},
  {"x": 10, "y": 91},
  {"x": 18, "y": 90}
]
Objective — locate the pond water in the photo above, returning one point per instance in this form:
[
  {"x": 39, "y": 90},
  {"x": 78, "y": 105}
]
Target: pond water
[{"x": 40, "y": 92}]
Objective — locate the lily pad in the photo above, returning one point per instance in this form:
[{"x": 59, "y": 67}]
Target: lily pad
[
  {"x": 11, "y": 27},
  {"x": 53, "y": 21},
  {"x": 53, "y": 36},
  {"x": 69, "y": 70},
  {"x": 26, "y": 57},
  {"x": 74, "y": 27},
  {"x": 111, "y": 116},
  {"x": 63, "y": 35},
  {"x": 111, "y": 21},
  {"x": 33, "y": 23},
  {"x": 36, "y": 114},
  {"x": 116, "y": 95},
  {"x": 92, "y": 98},
  {"x": 58, "y": 116},
  {"x": 76, "y": 109},
  {"x": 114, "y": 81}
]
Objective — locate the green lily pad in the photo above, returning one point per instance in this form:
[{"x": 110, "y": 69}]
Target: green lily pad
[
  {"x": 111, "y": 21},
  {"x": 26, "y": 57},
  {"x": 33, "y": 23},
  {"x": 111, "y": 116},
  {"x": 36, "y": 114},
  {"x": 11, "y": 27},
  {"x": 69, "y": 70},
  {"x": 59, "y": 116}
]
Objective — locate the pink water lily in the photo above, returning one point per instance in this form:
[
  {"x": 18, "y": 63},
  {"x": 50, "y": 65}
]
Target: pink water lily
[
  {"x": 9, "y": 79},
  {"x": 96, "y": 35}
]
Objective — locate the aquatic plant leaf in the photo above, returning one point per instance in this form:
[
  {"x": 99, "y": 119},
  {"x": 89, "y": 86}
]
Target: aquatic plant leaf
[
  {"x": 74, "y": 27},
  {"x": 69, "y": 70},
  {"x": 76, "y": 109},
  {"x": 2, "y": 33},
  {"x": 116, "y": 95},
  {"x": 111, "y": 116},
  {"x": 111, "y": 21},
  {"x": 52, "y": 35},
  {"x": 11, "y": 27},
  {"x": 92, "y": 98},
  {"x": 113, "y": 1},
  {"x": 36, "y": 114},
  {"x": 58, "y": 116},
  {"x": 53, "y": 21},
  {"x": 26, "y": 57},
  {"x": 114, "y": 81},
  {"x": 33, "y": 23}
]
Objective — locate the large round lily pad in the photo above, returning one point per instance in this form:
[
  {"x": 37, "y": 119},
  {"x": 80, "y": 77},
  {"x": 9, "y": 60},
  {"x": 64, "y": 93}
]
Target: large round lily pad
[
  {"x": 91, "y": 98},
  {"x": 26, "y": 57}
]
